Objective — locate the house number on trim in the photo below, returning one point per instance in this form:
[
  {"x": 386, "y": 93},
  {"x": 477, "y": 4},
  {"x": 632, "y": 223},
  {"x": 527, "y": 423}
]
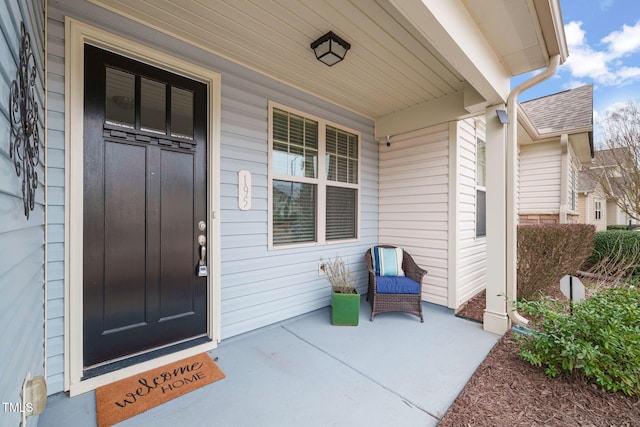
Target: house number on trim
[{"x": 244, "y": 190}]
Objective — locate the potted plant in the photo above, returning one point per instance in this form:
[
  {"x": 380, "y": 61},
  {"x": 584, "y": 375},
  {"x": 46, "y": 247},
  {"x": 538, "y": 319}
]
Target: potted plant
[{"x": 345, "y": 300}]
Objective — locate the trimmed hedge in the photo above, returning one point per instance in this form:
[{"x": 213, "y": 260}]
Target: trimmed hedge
[
  {"x": 547, "y": 252},
  {"x": 617, "y": 227},
  {"x": 616, "y": 245}
]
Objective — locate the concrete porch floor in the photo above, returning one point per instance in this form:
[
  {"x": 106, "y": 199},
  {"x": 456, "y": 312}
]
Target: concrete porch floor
[{"x": 394, "y": 371}]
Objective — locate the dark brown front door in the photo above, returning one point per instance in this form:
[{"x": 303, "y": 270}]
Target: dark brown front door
[{"x": 145, "y": 204}]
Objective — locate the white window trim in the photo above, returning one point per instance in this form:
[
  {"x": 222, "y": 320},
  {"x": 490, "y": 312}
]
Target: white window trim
[{"x": 321, "y": 182}]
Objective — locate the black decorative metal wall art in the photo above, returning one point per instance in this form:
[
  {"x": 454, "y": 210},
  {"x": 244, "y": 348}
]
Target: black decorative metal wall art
[{"x": 24, "y": 142}]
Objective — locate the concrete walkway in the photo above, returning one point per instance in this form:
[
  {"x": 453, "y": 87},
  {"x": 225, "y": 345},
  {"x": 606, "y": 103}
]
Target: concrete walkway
[{"x": 394, "y": 371}]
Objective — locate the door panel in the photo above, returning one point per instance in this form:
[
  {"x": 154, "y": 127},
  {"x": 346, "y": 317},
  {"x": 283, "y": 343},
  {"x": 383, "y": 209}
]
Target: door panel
[
  {"x": 144, "y": 193},
  {"x": 176, "y": 229},
  {"x": 124, "y": 237}
]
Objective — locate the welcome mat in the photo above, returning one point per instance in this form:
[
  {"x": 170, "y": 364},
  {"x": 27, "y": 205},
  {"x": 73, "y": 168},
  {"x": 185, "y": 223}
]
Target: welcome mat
[{"x": 131, "y": 396}]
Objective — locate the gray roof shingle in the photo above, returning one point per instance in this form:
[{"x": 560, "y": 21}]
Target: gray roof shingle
[
  {"x": 588, "y": 181},
  {"x": 562, "y": 111}
]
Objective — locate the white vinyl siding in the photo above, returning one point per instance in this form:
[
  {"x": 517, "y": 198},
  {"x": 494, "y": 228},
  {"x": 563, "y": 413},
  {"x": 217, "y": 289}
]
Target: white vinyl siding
[
  {"x": 414, "y": 177},
  {"x": 540, "y": 178},
  {"x": 258, "y": 287},
  {"x": 22, "y": 248},
  {"x": 472, "y": 258},
  {"x": 55, "y": 204}
]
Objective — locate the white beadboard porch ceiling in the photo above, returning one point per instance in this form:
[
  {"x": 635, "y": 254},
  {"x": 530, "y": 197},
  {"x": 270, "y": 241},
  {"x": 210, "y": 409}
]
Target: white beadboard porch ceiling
[{"x": 391, "y": 65}]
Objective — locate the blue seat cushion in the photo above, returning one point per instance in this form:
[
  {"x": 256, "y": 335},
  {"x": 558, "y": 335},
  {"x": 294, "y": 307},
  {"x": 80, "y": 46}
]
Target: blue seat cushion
[{"x": 396, "y": 285}]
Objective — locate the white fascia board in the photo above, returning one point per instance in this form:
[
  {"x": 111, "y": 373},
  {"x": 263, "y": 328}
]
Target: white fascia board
[
  {"x": 552, "y": 27},
  {"x": 451, "y": 30}
]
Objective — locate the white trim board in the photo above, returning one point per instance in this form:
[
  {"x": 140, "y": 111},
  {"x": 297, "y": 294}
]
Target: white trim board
[{"x": 76, "y": 35}]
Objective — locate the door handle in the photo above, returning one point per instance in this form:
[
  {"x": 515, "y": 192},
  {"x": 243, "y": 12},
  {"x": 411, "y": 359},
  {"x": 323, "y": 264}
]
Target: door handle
[
  {"x": 202, "y": 241},
  {"x": 201, "y": 268},
  {"x": 203, "y": 255}
]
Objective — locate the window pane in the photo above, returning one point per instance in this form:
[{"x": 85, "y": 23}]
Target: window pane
[
  {"x": 353, "y": 146},
  {"x": 295, "y": 145},
  {"x": 296, "y": 130},
  {"x": 280, "y": 126},
  {"x": 331, "y": 141},
  {"x": 311, "y": 159},
  {"x": 181, "y": 113},
  {"x": 153, "y": 104},
  {"x": 481, "y": 163},
  {"x": 120, "y": 98},
  {"x": 342, "y": 205},
  {"x": 342, "y": 147},
  {"x": 332, "y": 167},
  {"x": 353, "y": 171},
  {"x": 311, "y": 134},
  {"x": 481, "y": 213},
  {"x": 342, "y": 169},
  {"x": 294, "y": 212}
]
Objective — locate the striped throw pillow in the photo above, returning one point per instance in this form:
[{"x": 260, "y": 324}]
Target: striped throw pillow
[{"x": 387, "y": 261}]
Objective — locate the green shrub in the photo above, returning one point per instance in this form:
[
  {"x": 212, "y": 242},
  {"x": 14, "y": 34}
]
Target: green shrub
[
  {"x": 616, "y": 227},
  {"x": 617, "y": 245},
  {"x": 601, "y": 340},
  {"x": 547, "y": 252}
]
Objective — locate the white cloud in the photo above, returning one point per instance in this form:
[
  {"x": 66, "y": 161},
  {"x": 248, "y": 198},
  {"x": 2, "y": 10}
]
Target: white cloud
[
  {"x": 629, "y": 72},
  {"x": 625, "y": 42},
  {"x": 614, "y": 107},
  {"x": 572, "y": 84},
  {"x": 574, "y": 33},
  {"x": 605, "y": 67}
]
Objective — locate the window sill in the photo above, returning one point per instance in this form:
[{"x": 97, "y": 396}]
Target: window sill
[{"x": 273, "y": 247}]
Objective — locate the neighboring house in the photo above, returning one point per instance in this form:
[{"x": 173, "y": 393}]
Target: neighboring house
[
  {"x": 181, "y": 135},
  {"x": 555, "y": 139},
  {"x": 595, "y": 206}
]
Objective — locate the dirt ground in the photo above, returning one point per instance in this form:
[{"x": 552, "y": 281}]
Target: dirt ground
[{"x": 507, "y": 391}]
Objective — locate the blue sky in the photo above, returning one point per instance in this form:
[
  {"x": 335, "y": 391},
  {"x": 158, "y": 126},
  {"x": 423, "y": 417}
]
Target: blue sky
[{"x": 603, "y": 37}]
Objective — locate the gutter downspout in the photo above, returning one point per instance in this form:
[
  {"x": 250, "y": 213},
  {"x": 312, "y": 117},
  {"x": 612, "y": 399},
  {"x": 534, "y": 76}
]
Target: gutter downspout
[{"x": 512, "y": 161}]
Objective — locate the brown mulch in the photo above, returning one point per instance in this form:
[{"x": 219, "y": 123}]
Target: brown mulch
[
  {"x": 507, "y": 391},
  {"x": 474, "y": 308}
]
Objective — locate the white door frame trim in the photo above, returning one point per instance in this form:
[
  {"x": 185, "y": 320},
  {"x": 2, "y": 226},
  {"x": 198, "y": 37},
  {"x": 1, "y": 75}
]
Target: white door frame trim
[{"x": 77, "y": 34}]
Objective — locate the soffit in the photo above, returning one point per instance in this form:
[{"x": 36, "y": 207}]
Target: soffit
[
  {"x": 512, "y": 27},
  {"x": 391, "y": 66}
]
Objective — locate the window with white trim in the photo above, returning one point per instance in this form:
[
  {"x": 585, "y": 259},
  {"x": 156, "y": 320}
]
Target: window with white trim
[
  {"x": 481, "y": 190},
  {"x": 314, "y": 179},
  {"x": 598, "y": 210}
]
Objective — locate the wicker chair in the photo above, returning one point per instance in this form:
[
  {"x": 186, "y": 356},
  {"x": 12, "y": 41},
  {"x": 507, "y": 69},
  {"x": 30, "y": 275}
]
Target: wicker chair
[{"x": 383, "y": 302}]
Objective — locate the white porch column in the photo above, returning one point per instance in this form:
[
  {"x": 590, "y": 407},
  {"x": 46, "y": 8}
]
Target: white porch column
[{"x": 496, "y": 319}]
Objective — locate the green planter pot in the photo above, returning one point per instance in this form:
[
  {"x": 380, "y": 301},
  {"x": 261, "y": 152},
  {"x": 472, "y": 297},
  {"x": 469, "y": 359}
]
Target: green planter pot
[{"x": 345, "y": 309}]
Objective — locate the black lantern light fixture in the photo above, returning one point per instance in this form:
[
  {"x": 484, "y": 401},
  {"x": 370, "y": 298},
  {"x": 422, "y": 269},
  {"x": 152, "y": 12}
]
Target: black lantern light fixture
[{"x": 330, "y": 49}]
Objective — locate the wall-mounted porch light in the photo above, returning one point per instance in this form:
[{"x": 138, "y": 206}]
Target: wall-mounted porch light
[
  {"x": 330, "y": 49},
  {"x": 502, "y": 117}
]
